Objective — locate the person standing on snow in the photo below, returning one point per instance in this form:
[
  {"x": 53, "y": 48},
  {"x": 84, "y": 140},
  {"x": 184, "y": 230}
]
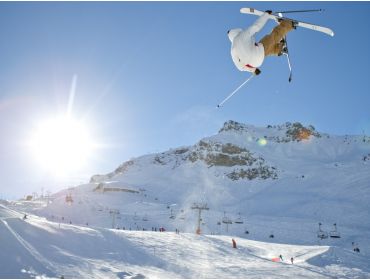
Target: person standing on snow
[
  {"x": 247, "y": 54},
  {"x": 234, "y": 243}
]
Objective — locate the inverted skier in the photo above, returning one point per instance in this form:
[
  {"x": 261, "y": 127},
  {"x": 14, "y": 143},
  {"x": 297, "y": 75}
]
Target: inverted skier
[{"x": 247, "y": 54}]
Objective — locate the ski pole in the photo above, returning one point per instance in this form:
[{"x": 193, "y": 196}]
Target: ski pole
[
  {"x": 235, "y": 91},
  {"x": 300, "y": 11}
]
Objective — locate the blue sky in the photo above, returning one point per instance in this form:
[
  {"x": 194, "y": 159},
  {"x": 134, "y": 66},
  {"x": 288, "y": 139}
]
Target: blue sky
[{"x": 149, "y": 75}]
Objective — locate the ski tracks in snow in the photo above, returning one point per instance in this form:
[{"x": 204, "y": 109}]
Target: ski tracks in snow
[{"x": 31, "y": 250}]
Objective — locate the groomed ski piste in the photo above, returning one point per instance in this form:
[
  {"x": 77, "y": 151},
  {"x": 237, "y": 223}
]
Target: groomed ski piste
[
  {"x": 273, "y": 187},
  {"x": 36, "y": 247}
]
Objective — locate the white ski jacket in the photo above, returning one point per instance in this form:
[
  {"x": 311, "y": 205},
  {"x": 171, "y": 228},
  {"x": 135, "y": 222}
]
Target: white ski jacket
[{"x": 245, "y": 52}]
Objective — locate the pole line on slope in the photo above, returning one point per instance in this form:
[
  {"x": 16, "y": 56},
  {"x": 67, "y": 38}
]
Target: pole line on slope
[{"x": 235, "y": 91}]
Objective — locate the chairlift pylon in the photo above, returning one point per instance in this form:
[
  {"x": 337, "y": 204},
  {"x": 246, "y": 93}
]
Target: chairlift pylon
[{"x": 226, "y": 220}]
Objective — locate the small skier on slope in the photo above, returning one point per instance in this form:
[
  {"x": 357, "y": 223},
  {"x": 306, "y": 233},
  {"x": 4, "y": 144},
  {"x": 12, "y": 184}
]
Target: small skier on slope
[
  {"x": 234, "y": 243},
  {"x": 247, "y": 54}
]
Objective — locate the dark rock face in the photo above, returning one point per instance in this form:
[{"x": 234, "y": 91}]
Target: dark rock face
[{"x": 247, "y": 166}]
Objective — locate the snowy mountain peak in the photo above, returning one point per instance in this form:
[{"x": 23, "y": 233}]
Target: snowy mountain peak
[
  {"x": 246, "y": 152},
  {"x": 279, "y": 133}
]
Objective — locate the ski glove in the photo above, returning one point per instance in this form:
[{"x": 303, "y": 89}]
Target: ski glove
[{"x": 257, "y": 72}]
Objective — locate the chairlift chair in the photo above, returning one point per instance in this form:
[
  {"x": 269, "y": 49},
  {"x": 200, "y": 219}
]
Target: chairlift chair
[
  {"x": 239, "y": 220},
  {"x": 172, "y": 215},
  {"x": 334, "y": 233},
  {"x": 321, "y": 234},
  {"x": 226, "y": 220}
]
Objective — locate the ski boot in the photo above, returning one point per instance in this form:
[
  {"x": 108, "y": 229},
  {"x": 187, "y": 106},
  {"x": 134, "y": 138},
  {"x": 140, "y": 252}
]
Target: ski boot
[
  {"x": 284, "y": 48},
  {"x": 294, "y": 24}
]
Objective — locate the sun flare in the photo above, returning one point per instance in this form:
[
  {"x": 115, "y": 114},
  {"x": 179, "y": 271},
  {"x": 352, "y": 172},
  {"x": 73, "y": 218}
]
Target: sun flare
[{"x": 61, "y": 145}]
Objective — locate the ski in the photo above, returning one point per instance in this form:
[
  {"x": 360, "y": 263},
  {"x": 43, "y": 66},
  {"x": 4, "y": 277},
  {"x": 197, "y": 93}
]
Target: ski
[
  {"x": 307, "y": 25},
  {"x": 299, "y": 11}
]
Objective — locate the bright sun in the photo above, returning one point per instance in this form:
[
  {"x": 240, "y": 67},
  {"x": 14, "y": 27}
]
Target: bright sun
[{"x": 61, "y": 145}]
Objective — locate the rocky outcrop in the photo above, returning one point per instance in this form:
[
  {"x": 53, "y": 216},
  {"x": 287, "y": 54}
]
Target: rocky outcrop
[
  {"x": 217, "y": 154},
  {"x": 246, "y": 165},
  {"x": 232, "y": 126},
  {"x": 263, "y": 172},
  {"x": 297, "y": 132}
]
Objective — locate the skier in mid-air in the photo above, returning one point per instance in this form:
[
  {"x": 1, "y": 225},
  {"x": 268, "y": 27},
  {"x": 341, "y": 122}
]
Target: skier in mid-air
[{"x": 247, "y": 54}]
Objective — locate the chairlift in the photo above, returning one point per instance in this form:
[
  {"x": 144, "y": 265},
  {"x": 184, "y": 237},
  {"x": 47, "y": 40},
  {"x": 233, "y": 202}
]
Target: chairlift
[
  {"x": 239, "y": 220},
  {"x": 334, "y": 233},
  {"x": 321, "y": 234},
  {"x": 172, "y": 215},
  {"x": 226, "y": 220},
  {"x": 145, "y": 218},
  {"x": 218, "y": 223},
  {"x": 135, "y": 218}
]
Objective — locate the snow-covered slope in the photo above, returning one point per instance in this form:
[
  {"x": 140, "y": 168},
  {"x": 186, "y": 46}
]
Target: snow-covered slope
[
  {"x": 36, "y": 247},
  {"x": 278, "y": 181}
]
